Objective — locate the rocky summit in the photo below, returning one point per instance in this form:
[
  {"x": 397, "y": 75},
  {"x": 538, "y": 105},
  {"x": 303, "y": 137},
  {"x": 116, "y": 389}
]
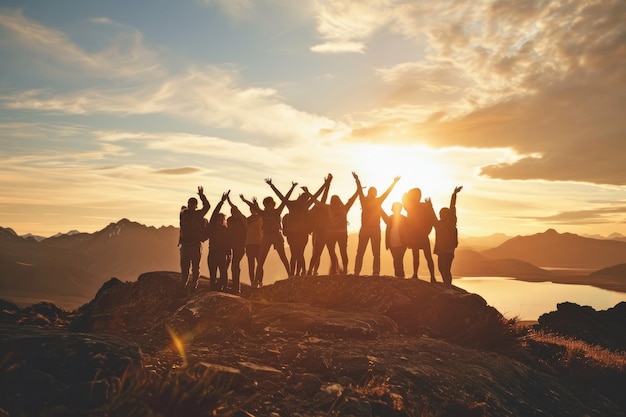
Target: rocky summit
[{"x": 304, "y": 346}]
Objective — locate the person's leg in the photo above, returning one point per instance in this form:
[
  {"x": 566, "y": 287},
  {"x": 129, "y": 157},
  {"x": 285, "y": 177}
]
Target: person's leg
[
  {"x": 375, "y": 236},
  {"x": 281, "y": 254},
  {"x": 185, "y": 263},
  {"x": 360, "y": 251},
  {"x": 343, "y": 250},
  {"x": 330, "y": 246},
  {"x": 224, "y": 261},
  {"x": 236, "y": 268},
  {"x": 263, "y": 251},
  {"x": 292, "y": 253},
  {"x": 318, "y": 247},
  {"x": 213, "y": 264},
  {"x": 444, "y": 262},
  {"x": 429, "y": 260},
  {"x": 195, "y": 254},
  {"x": 252, "y": 254},
  {"x": 301, "y": 240},
  {"x": 416, "y": 261},
  {"x": 397, "y": 254}
]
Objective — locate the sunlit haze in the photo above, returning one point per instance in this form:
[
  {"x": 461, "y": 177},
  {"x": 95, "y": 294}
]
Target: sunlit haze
[{"x": 115, "y": 109}]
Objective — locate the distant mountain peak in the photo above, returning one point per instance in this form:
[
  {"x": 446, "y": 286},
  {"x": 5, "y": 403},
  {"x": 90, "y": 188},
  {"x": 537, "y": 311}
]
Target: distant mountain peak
[{"x": 551, "y": 232}]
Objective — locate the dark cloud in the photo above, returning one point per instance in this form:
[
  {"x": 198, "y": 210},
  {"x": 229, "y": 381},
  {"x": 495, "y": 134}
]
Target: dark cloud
[{"x": 178, "y": 171}]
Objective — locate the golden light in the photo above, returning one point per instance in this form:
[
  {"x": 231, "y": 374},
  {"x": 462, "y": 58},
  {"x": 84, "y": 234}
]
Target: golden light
[
  {"x": 178, "y": 344},
  {"x": 416, "y": 165}
]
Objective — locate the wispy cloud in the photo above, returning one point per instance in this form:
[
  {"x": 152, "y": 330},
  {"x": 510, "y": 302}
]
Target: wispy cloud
[
  {"x": 346, "y": 25},
  {"x": 125, "y": 57}
]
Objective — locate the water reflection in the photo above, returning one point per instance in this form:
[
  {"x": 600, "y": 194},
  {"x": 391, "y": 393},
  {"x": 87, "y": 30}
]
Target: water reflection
[{"x": 529, "y": 300}]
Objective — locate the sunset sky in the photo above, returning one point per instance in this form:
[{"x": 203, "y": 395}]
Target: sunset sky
[{"x": 116, "y": 109}]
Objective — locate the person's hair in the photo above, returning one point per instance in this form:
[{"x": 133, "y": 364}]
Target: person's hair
[
  {"x": 267, "y": 201},
  {"x": 336, "y": 201},
  {"x": 444, "y": 213},
  {"x": 396, "y": 207},
  {"x": 192, "y": 201},
  {"x": 372, "y": 192}
]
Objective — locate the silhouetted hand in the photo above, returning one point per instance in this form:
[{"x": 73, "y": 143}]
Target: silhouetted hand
[
  {"x": 268, "y": 180},
  {"x": 254, "y": 201},
  {"x": 329, "y": 177},
  {"x": 200, "y": 190},
  {"x": 242, "y": 197},
  {"x": 427, "y": 201},
  {"x": 356, "y": 177},
  {"x": 305, "y": 189},
  {"x": 293, "y": 184},
  {"x": 396, "y": 179},
  {"x": 225, "y": 195},
  {"x": 457, "y": 189}
]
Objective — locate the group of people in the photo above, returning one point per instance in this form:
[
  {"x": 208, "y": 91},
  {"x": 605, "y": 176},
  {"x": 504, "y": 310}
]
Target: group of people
[{"x": 326, "y": 224}]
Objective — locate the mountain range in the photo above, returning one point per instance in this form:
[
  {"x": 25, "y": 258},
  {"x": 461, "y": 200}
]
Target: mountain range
[{"x": 69, "y": 268}]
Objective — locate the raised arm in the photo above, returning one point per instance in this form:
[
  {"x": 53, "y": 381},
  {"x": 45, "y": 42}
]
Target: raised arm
[
  {"x": 323, "y": 189},
  {"x": 217, "y": 208},
  {"x": 453, "y": 198},
  {"x": 386, "y": 193},
  {"x": 359, "y": 187},
  {"x": 254, "y": 205},
  {"x": 205, "y": 203},
  {"x": 276, "y": 191},
  {"x": 233, "y": 206},
  {"x": 284, "y": 202},
  {"x": 351, "y": 200},
  {"x": 326, "y": 187}
]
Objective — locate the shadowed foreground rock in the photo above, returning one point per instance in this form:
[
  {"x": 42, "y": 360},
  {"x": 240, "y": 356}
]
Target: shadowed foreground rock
[
  {"x": 310, "y": 346},
  {"x": 604, "y": 328}
]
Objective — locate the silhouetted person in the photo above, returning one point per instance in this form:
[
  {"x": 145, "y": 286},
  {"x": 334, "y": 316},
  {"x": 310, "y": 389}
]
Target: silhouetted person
[
  {"x": 190, "y": 240},
  {"x": 320, "y": 226},
  {"x": 421, "y": 219},
  {"x": 370, "y": 224},
  {"x": 237, "y": 231},
  {"x": 254, "y": 237},
  {"x": 272, "y": 235},
  {"x": 396, "y": 237},
  {"x": 219, "y": 248},
  {"x": 446, "y": 239},
  {"x": 295, "y": 228},
  {"x": 338, "y": 229}
]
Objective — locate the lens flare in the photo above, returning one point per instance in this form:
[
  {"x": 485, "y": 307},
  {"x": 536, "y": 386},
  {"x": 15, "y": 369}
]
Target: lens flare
[{"x": 178, "y": 344}]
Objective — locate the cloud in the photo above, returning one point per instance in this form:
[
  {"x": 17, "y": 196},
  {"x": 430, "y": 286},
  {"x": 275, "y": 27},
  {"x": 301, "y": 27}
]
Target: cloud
[
  {"x": 346, "y": 24},
  {"x": 54, "y": 51},
  {"x": 544, "y": 79},
  {"x": 178, "y": 171},
  {"x": 593, "y": 216}
]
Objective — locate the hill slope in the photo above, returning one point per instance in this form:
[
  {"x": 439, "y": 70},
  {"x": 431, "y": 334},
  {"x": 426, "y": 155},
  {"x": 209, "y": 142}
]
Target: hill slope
[{"x": 563, "y": 250}]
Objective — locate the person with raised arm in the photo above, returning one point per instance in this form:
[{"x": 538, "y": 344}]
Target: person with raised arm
[
  {"x": 421, "y": 219},
  {"x": 370, "y": 223},
  {"x": 254, "y": 237},
  {"x": 338, "y": 230},
  {"x": 447, "y": 239},
  {"x": 272, "y": 235},
  {"x": 396, "y": 237},
  {"x": 219, "y": 248},
  {"x": 237, "y": 232},
  {"x": 320, "y": 224},
  {"x": 191, "y": 238},
  {"x": 297, "y": 226}
]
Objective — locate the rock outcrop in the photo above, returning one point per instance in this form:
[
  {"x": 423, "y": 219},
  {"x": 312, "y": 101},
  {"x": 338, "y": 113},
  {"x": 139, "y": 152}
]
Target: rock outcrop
[{"x": 305, "y": 346}]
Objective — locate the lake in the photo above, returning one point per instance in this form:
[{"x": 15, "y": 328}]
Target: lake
[{"x": 529, "y": 300}]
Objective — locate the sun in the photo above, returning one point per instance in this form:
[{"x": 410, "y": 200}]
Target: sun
[{"x": 418, "y": 167}]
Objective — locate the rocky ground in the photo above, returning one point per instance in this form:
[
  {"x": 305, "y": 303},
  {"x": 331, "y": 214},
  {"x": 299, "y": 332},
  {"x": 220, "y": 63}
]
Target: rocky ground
[{"x": 306, "y": 346}]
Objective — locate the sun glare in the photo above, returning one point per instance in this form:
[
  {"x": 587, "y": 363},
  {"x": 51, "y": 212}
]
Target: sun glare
[{"x": 417, "y": 166}]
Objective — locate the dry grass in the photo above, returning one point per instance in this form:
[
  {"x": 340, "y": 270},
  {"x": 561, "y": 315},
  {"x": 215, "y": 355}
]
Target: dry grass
[{"x": 577, "y": 350}]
